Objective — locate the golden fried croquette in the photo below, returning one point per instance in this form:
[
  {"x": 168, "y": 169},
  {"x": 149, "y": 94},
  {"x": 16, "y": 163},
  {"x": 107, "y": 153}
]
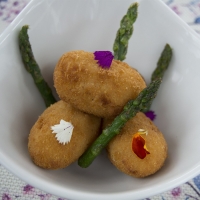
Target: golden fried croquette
[
  {"x": 122, "y": 156},
  {"x": 46, "y": 151},
  {"x": 79, "y": 80}
]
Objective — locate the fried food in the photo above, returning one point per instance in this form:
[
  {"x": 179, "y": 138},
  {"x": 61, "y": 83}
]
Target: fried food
[
  {"x": 79, "y": 80},
  {"x": 46, "y": 151},
  {"x": 122, "y": 156}
]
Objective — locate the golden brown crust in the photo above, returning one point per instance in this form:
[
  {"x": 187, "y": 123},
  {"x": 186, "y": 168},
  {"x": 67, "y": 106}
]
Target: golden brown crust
[
  {"x": 46, "y": 151},
  {"x": 79, "y": 80},
  {"x": 120, "y": 148}
]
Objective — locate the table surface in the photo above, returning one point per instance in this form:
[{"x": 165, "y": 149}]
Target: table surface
[{"x": 12, "y": 188}]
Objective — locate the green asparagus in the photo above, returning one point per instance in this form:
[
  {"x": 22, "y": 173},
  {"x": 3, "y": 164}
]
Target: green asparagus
[
  {"x": 124, "y": 33},
  {"x": 33, "y": 68},
  {"x": 160, "y": 69},
  {"x": 129, "y": 111},
  {"x": 162, "y": 63}
]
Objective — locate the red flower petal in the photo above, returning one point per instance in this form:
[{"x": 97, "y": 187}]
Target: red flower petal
[{"x": 139, "y": 147}]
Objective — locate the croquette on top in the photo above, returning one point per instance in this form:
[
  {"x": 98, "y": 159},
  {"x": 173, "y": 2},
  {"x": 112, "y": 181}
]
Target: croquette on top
[{"x": 80, "y": 80}]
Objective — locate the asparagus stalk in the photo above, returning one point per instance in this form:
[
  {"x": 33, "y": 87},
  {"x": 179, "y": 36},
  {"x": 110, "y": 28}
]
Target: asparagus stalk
[
  {"x": 124, "y": 33},
  {"x": 33, "y": 68},
  {"x": 162, "y": 66},
  {"x": 162, "y": 63},
  {"x": 129, "y": 111}
]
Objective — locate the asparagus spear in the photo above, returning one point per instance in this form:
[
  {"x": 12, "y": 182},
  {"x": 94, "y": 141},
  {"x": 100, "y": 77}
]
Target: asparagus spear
[
  {"x": 160, "y": 69},
  {"x": 124, "y": 33},
  {"x": 33, "y": 68},
  {"x": 162, "y": 63},
  {"x": 129, "y": 111}
]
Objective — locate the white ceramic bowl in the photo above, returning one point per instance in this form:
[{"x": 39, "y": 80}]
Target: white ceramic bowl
[{"x": 58, "y": 26}]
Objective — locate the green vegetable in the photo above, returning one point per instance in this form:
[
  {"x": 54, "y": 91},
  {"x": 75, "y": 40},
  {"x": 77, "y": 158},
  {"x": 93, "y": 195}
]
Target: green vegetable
[
  {"x": 33, "y": 68},
  {"x": 129, "y": 111},
  {"x": 162, "y": 63},
  {"x": 162, "y": 66},
  {"x": 124, "y": 33}
]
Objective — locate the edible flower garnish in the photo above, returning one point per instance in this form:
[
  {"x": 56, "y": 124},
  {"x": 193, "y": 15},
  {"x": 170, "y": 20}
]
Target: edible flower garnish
[
  {"x": 104, "y": 58},
  {"x": 63, "y": 131},
  {"x": 139, "y": 144},
  {"x": 150, "y": 114}
]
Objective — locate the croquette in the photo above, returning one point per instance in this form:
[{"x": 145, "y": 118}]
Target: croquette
[
  {"x": 122, "y": 156},
  {"x": 80, "y": 81},
  {"x": 46, "y": 151}
]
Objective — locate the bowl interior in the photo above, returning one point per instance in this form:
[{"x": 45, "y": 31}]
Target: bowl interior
[{"x": 60, "y": 26}]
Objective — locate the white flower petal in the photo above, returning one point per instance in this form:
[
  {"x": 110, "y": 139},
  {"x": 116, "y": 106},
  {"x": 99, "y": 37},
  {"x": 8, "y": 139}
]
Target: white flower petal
[
  {"x": 63, "y": 131},
  {"x": 63, "y": 122},
  {"x": 143, "y": 131}
]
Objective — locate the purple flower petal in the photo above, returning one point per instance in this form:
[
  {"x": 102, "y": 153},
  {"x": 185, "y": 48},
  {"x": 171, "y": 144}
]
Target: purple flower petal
[
  {"x": 104, "y": 58},
  {"x": 150, "y": 114}
]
